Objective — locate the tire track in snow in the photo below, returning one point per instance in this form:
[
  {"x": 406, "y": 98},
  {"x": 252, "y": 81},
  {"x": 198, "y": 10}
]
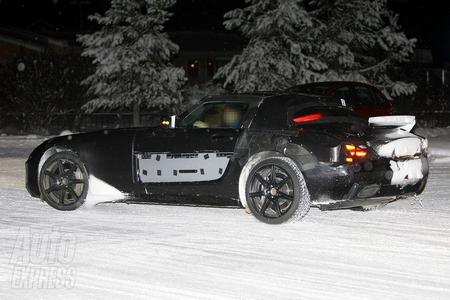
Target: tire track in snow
[{"x": 163, "y": 252}]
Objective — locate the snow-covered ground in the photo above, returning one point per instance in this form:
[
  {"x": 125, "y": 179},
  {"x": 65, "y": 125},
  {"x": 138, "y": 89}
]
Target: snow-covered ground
[{"x": 169, "y": 252}]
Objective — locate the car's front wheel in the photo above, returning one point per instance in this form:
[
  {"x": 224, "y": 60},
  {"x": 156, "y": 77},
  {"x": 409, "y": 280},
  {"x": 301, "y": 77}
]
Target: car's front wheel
[
  {"x": 276, "y": 191},
  {"x": 64, "y": 181}
]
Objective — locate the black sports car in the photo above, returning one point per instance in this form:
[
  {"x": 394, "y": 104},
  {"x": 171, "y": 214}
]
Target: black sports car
[{"x": 274, "y": 154}]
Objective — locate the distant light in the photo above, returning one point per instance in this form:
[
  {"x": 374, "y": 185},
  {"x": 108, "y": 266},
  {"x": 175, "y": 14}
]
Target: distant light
[
  {"x": 192, "y": 66},
  {"x": 54, "y": 1},
  {"x": 21, "y": 67}
]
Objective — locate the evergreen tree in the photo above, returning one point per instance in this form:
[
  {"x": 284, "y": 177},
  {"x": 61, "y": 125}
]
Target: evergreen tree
[
  {"x": 291, "y": 42},
  {"x": 362, "y": 42},
  {"x": 132, "y": 57},
  {"x": 279, "y": 50}
]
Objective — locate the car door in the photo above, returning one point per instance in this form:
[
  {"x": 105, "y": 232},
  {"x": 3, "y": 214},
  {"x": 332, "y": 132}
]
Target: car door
[
  {"x": 198, "y": 158},
  {"x": 183, "y": 155}
]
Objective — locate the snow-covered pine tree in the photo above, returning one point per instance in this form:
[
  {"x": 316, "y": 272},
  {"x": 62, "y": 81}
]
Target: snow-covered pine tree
[
  {"x": 279, "y": 50},
  {"x": 132, "y": 57},
  {"x": 362, "y": 42}
]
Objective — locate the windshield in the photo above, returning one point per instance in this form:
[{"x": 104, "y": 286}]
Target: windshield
[{"x": 216, "y": 115}]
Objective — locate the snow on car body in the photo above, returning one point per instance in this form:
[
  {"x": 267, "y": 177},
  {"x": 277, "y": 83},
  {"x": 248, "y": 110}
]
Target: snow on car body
[
  {"x": 275, "y": 154},
  {"x": 402, "y": 147}
]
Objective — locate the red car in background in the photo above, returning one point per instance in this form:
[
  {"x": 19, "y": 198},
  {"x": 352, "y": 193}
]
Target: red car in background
[{"x": 365, "y": 100}]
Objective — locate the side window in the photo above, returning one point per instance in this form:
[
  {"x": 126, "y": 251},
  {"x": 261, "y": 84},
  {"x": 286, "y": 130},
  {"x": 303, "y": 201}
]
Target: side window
[
  {"x": 379, "y": 98},
  {"x": 363, "y": 96},
  {"x": 271, "y": 113},
  {"x": 216, "y": 115},
  {"x": 344, "y": 93}
]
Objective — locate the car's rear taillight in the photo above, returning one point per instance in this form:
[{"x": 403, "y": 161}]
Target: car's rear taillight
[
  {"x": 355, "y": 153},
  {"x": 307, "y": 118}
]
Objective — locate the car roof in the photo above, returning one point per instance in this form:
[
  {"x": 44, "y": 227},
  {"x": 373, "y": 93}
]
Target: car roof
[
  {"x": 250, "y": 98},
  {"x": 328, "y": 85},
  {"x": 257, "y": 97}
]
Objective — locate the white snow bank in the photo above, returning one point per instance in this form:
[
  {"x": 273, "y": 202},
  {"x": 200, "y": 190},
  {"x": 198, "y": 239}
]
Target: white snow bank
[
  {"x": 100, "y": 191},
  {"x": 18, "y": 146},
  {"x": 439, "y": 147},
  {"x": 433, "y": 132},
  {"x": 6, "y": 137},
  {"x": 441, "y": 160},
  {"x": 439, "y": 142}
]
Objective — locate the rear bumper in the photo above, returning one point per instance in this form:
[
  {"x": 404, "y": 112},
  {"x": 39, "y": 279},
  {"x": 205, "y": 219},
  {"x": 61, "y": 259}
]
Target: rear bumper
[
  {"x": 385, "y": 194},
  {"x": 358, "y": 185}
]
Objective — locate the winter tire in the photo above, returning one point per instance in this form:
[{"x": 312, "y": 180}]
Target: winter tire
[
  {"x": 64, "y": 181},
  {"x": 276, "y": 191}
]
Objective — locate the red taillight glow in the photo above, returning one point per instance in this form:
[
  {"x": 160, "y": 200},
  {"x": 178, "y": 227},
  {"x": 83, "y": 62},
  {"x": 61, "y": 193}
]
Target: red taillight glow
[
  {"x": 361, "y": 153},
  {"x": 307, "y": 118},
  {"x": 355, "y": 152}
]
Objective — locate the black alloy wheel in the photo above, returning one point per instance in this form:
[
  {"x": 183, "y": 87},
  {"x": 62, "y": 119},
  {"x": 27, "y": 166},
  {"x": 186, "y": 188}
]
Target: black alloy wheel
[
  {"x": 276, "y": 191},
  {"x": 64, "y": 181}
]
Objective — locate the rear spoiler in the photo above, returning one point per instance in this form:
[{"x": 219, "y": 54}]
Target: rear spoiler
[{"x": 401, "y": 122}]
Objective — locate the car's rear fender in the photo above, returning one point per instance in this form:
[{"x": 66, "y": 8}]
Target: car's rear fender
[
  {"x": 279, "y": 146},
  {"x": 305, "y": 160}
]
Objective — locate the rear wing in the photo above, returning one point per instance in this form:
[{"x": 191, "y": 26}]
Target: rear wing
[{"x": 401, "y": 122}]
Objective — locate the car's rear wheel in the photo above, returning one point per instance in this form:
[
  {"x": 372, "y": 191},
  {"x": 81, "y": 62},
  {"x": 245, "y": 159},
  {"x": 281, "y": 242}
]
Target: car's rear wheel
[
  {"x": 64, "y": 181},
  {"x": 276, "y": 191}
]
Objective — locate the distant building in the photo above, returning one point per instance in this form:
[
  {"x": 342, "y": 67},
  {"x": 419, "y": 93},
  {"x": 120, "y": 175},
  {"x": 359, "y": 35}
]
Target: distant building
[
  {"x": 200, "y": 55},
  {"x": 16, "y": 43}
]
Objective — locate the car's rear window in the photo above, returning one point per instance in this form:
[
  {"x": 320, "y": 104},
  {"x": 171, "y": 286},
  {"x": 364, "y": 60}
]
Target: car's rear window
[{"x": 323, "y": 114}]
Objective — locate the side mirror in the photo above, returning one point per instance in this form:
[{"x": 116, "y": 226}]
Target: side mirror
[{"x": 168, "y": 121}]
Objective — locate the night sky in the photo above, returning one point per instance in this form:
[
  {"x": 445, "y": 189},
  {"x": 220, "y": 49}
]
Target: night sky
[
  {"x": 429, "y": 21},
  {"x": 64, "y": 15}
]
